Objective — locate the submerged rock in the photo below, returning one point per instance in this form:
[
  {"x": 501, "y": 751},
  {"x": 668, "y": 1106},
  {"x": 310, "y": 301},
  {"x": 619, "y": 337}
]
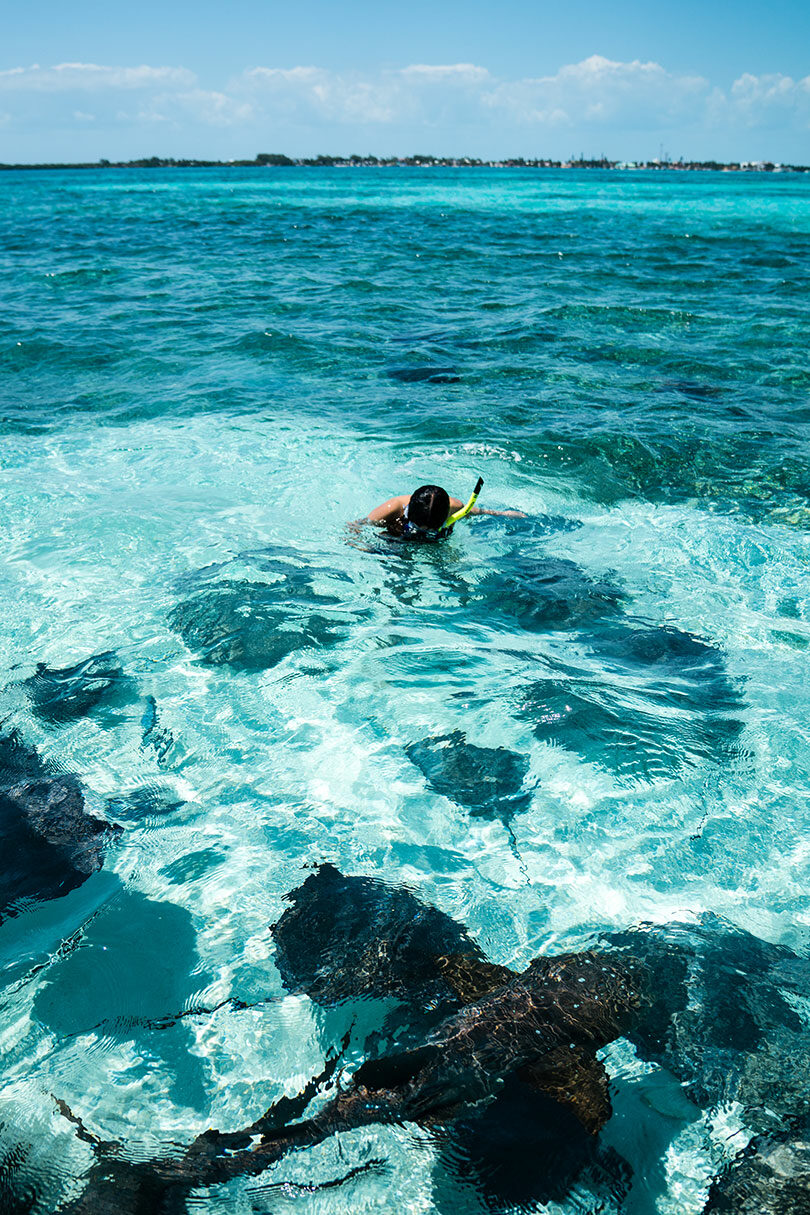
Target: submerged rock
[
  {"x": 487, "y": 781},
  {"x": 51, "y": 842},
  {"x": 61, "y": 694},
  {"x": 737, "y": 469}
]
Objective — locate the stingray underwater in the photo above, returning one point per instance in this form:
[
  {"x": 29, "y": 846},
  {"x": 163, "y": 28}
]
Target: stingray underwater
[
  {"x": 487, "y": 1035},
  {"x": 490, "y": 1061}
]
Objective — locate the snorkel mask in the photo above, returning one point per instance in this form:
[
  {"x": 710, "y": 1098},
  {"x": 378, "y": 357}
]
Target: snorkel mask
[{"x": 416, "y": 532}]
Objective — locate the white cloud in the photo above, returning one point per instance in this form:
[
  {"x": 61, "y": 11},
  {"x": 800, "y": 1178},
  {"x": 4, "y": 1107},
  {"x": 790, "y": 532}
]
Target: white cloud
[
  {"x": 427, "y": 94},
  {"x": 595, "y": 92},
  {"x": 462, "y": 106},
  {"x": 303, "y": 75},
  {"x": 449, "y": 72},
  {"x": 768, "y": 99},
  {"x": 310, "y": 94},
  {"x": 600, "y": 91},
  {"x": 198, "y": 105},
  {"x": 71, "y": 76}
]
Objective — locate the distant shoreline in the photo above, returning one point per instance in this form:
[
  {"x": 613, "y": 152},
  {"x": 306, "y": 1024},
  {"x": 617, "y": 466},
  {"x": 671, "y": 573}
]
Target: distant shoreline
[{"x": 276, "y": 160}]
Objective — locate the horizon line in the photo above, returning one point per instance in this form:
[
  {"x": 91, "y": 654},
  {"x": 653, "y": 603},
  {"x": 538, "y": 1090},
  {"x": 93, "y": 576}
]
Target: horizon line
[{"x": 280, "y": 160}]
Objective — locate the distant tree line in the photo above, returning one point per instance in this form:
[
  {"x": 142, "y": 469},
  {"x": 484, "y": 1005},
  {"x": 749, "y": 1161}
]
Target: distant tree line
[{"x": 279, "y": 160}]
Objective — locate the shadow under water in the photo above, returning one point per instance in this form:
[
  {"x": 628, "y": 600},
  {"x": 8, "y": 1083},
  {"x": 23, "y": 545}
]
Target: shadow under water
[
  {"x": 137, "y": 963},
  {"x": 520, "y": 1150}
]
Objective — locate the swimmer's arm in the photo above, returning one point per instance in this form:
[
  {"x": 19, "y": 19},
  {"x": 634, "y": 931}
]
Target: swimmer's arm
[
  {"x": 456, "y": 504},
  {"x": 504, "y": 514},
  {"x": 385, "y": 513}
]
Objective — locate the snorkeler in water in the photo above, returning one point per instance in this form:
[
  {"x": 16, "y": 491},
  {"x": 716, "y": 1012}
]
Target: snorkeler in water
[{"x": 429, "y": 513}]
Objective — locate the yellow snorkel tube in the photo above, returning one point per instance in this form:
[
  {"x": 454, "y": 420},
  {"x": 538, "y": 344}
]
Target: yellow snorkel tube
[{"x": 465, "y": 510}]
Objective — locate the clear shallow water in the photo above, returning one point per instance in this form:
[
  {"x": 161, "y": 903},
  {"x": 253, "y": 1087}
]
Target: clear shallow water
[{"x": 204, "y": 376}]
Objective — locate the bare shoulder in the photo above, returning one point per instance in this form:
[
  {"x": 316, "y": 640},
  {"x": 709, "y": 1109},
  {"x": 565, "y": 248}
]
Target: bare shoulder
[{"x": 388, "y": 510}]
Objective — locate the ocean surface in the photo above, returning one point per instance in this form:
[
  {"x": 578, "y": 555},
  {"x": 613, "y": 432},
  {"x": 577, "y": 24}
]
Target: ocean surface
[{"x": 205, "y": 375}]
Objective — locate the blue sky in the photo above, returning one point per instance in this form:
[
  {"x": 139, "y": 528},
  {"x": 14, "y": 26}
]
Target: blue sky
[{"x": 710, "y": 79}]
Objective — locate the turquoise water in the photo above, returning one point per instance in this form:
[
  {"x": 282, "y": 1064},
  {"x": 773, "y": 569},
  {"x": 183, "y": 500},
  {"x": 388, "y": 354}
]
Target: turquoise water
[{"x": 205, "y": 374}]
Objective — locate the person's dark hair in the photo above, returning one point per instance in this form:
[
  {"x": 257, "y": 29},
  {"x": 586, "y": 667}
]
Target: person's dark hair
[{"x": 429, "y": 506}]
